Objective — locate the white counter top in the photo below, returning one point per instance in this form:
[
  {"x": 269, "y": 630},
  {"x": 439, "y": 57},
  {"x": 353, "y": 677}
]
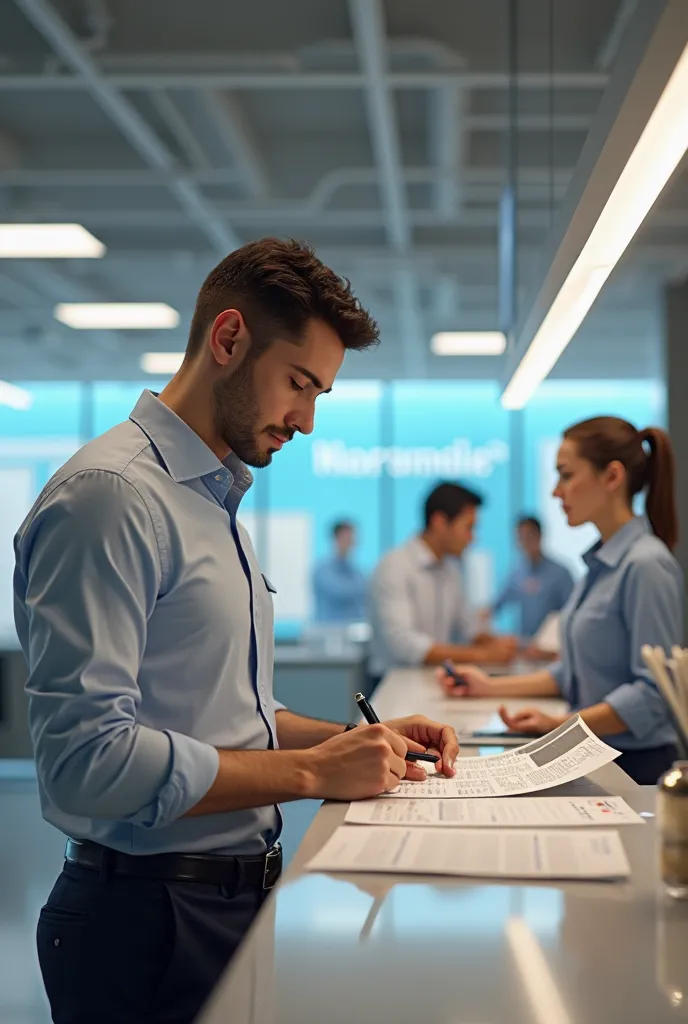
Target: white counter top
[{"x": 378, "y": 948}]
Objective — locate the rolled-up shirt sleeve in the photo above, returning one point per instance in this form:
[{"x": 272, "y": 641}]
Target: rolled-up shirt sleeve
[
  {"x": 394, "y": 613},
  {"x": 88, "y": 575},
  {"x": 652, "y": 604}
]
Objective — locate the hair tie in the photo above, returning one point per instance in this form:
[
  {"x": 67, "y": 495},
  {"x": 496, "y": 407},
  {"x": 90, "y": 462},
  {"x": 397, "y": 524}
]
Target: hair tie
[{"x": 646, "y": 439}]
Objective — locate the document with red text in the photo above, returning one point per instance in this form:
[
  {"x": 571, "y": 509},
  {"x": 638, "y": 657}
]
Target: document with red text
[{"x": 496, "y": 812}]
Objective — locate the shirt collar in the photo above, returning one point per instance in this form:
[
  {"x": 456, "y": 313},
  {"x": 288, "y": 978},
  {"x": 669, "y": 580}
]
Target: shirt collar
[
  {"x": 422, "y": 554},
  {"x": 183, "y": 453},
  {"x": 611, "y": 553}
]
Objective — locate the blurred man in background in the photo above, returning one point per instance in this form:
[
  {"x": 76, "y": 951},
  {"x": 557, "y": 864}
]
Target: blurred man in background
[
  {"x": 419, "y": 613},
  {"x": 537, "y": 586},
  {"x": 340, "y": 587}
]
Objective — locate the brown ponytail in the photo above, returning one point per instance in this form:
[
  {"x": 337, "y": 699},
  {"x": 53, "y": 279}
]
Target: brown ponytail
[
  {"x": 606, "y": 439},
  {"x": 660, "y": 502}
]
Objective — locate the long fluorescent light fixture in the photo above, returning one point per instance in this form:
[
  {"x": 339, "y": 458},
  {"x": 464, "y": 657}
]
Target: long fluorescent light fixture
[
  {"x": 117, "y": 316},
  {"x": 162, "y": 364},
  {"x": 14, "y": 397},
  {"x": 48, "y": 241},
  {"x": 468, "y": 343},
  {"x": 658, "y": 152}
]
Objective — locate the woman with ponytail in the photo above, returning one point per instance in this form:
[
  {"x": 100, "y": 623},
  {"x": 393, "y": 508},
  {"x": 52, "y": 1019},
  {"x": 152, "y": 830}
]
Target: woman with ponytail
[{"x": 632, "y": 595}]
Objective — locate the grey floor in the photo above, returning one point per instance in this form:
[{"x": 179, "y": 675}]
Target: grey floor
[{"x": 30, "y": 860}]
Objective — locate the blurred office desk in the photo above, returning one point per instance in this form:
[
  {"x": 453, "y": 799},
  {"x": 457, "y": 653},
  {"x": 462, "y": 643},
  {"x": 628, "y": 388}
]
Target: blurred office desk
[
  {"x": 320, "y": 678},
  {"x": 332, "y": 949}
]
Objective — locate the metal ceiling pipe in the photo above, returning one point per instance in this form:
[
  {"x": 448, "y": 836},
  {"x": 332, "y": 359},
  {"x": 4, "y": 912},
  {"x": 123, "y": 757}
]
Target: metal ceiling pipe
[{"x": 140, "y": 135}]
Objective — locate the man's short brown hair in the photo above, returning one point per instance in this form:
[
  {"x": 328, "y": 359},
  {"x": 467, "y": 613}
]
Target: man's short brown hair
[{"x": 279, "y": 286}]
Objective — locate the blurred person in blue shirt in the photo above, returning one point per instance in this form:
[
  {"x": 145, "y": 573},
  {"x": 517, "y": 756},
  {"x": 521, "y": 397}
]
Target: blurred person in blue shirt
[
  {"x": 340, "y": 587},
  {"x": 147, "y": 626},
  {"x": 632, "y": 595},
  {"x": 537, "y": 585}
]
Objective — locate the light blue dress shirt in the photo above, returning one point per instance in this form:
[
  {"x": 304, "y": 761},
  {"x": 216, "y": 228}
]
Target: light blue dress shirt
[
  {"x": 148, "y": 631},
  {"x": 416, "y": 601},
  {"x": 632, "y": 595},
  {"x": 538, "y": 589},
  {"x": 340, "y": 592}
]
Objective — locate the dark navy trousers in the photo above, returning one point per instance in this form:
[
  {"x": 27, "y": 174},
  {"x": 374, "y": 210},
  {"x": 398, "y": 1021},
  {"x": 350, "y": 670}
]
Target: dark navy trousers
[{"x": 120, "y": 950}]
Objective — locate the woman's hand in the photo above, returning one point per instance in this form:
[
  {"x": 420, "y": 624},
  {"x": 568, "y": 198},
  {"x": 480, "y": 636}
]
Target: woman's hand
[
  {"x": 474, "y": 682},
  {"x": 530, "y": 720}
]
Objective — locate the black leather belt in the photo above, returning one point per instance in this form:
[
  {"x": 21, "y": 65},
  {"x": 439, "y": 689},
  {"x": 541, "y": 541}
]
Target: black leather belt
[{"x": 257, "y": 872}]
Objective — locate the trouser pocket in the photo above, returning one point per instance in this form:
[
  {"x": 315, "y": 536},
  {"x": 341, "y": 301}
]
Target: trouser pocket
[
  {"x": 63, "y": 938},
  {"x": 104, "y": 947}
]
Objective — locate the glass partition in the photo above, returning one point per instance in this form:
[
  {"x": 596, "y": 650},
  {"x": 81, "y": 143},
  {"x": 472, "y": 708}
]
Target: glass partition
[{"x": 376, "y": 451}]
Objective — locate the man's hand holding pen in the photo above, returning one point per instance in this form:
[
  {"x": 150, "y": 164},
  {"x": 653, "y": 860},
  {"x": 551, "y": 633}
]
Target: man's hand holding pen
[{"x": 373, "y": 758}]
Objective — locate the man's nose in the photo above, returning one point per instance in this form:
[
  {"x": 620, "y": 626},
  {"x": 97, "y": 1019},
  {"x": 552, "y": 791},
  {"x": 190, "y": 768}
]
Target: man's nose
[{"x": 303, "y": 421}]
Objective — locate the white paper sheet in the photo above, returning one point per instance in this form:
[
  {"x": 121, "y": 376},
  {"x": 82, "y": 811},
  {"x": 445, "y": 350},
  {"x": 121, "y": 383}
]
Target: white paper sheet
[
  {"x": 511, "y": 853},
  {"x": 569, "y": 752},
  {"x": 504, "y": 812}
]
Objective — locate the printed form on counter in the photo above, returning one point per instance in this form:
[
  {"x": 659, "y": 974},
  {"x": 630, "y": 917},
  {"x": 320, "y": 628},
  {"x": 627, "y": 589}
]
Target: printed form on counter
[
  {"x": 569, "y": 752},
  {"x": 508, "y": 853},
  {"x": 501, "y": 812}
]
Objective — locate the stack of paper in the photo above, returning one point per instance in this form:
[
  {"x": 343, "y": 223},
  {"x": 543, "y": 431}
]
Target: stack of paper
[{"x": 439, "y": 827}]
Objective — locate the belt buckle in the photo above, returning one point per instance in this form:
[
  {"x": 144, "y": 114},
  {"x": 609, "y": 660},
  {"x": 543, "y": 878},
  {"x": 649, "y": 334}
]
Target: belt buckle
[{"x": 273, "y": 866}]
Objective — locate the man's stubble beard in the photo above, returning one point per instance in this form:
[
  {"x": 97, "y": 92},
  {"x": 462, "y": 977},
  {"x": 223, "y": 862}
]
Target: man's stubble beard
[{"x": 236, "y": 414}]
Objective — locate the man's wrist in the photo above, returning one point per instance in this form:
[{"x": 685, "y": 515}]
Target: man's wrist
[{"x": 304, "y": 773}]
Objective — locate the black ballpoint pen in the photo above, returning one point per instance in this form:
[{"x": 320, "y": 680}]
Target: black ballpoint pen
[{"x": 371, "y": 718}]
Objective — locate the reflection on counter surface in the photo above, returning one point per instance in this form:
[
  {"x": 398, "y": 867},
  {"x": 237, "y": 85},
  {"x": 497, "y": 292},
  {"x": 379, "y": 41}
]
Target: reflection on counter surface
[
  {"x": 373, "y": 948},
  {"x": 337, "y": 949}
]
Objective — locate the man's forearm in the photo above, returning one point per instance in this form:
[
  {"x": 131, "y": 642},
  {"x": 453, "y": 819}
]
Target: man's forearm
[
  {"x": 469, "y": 653},
  {"x": 296, "y": 732},
  {"x": 483, "y": 637},
  {"x": 256, "y": 778}
]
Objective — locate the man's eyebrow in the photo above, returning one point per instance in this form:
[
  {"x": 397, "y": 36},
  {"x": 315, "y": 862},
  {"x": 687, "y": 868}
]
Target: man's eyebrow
[{"x": 311, "y": 376}]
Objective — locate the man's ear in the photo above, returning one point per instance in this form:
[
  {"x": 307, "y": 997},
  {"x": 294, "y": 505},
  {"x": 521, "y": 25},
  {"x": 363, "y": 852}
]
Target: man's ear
[{"x": 229, "y": 338}]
